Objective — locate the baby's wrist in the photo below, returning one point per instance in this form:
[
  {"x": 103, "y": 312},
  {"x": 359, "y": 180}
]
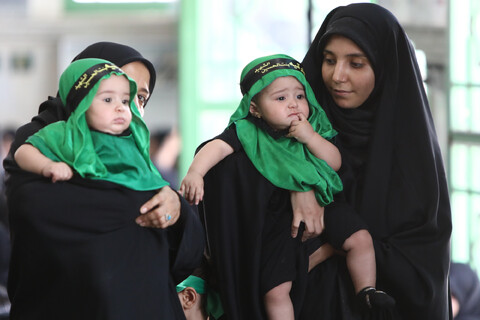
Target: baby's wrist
[{"x": 312, "y": 139}]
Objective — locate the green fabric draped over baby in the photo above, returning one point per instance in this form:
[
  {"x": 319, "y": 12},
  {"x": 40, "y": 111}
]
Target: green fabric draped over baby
[
  {"x": 122, "y": 159},
  {"x": 285, "y": 162}
]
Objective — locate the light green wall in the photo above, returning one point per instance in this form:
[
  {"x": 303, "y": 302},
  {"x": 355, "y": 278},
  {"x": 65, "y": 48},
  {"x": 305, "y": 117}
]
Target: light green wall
[{"x": 464, "y": 129}]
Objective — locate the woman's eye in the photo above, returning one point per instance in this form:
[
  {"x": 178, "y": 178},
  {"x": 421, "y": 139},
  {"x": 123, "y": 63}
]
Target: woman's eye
[
  {"x": 142, "y": 99},
  {"x": 357, "y": 65},
  {"x": 329, "y": 61}
]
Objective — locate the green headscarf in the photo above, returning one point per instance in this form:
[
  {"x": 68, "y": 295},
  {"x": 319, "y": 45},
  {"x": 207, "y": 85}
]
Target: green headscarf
[
  {"x": 285, "y": 162},
  {"x": 213, "y": 305},
  {"x": 122, "y": 159}
]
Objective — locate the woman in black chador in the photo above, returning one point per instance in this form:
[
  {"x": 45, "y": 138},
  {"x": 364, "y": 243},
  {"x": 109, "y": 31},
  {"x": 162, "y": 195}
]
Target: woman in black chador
[
  {"x": 363, "y": 70},
  {"x": 78, "y": 251}
]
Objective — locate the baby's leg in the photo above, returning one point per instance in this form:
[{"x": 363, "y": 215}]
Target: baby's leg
[
  {"x": 361, "y": 265},
  {"x": 360, "y": 256},
  {"x": 278, "y": 304}
]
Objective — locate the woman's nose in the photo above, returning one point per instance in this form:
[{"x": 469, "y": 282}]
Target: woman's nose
[{"x": 339, "y": 73}]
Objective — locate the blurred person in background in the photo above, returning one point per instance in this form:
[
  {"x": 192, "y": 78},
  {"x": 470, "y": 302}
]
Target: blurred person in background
[
  {"x": 465, "y": 292},
  {"x": 165, "y": 147},
  {"x": 7, "y": 136}
]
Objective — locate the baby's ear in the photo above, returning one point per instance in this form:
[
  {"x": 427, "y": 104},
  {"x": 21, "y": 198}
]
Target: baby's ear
[
  {"x": 189, "y": 297},
  {"x": 254, "y": 110}
]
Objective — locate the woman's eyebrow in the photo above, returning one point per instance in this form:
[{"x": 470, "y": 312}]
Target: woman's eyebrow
[{"x": 354, "y": 54}]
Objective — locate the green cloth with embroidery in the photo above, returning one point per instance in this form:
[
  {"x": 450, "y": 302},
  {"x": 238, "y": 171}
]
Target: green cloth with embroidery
[
  {"x": 285, "y": 162},
  {"x": 122, "y": 159}
]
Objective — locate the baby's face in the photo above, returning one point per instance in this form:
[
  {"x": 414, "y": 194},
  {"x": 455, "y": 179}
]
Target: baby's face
[
  {"x": 281, "y": 102},
  {"x": 110, "y": 109}
]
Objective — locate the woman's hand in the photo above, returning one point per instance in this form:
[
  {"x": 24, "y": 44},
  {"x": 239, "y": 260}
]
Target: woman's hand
[
  {"x": 162, "y": 211},
  {"x": 306, "y": 208}
]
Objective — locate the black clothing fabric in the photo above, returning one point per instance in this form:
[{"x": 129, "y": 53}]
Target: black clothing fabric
[
  {"x": 247, "y": 220},
  {"x": 392, "y": 172},
  {"x": 4, "y": 254},
  {"x": 340, "y": 223},
  {"x": 465, "y": 287},
  {"x": 78, "y": 253}
]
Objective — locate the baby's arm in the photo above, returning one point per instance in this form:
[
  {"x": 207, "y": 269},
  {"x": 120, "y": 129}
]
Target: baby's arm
[
  {"x": 320, "y": 147},
  {"x": 31, "y": 159},
  {"x": 208, "y": 156}
]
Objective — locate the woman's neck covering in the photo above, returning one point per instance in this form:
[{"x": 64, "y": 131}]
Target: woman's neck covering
[
  {"x": 213, "y": 305},
  {"x": 120, "y": 159},
  {"x": 285, "y": 162}
]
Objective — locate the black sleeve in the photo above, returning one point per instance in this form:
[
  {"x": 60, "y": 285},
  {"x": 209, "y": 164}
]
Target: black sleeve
[
  {"x": 229, "y": 136},
  {"x": 50, "y": 111},
  {"x": 187, "y": 242}
]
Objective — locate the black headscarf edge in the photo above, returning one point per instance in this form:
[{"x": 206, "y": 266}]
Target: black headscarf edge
[{"x": 118, "y": 54}]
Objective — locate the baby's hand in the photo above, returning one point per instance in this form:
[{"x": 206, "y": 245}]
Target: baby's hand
[
  {"x": 192, "y": 188},
  {"x": 301, "y": 129},
  {"x": 58, "y": 171}
]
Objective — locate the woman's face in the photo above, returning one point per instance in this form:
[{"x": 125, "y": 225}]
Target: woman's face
[
  {"x": 139, "y": 72},
  {"x": 347, "y": 72}
]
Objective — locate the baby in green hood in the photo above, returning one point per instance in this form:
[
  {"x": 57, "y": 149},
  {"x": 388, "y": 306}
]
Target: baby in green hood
[
  {"x": 287, "y": 136},
  {"x": 104, "y": 137}
]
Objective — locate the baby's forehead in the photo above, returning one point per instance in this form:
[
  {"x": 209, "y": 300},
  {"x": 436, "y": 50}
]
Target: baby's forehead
[
  {"x": 284, "y": 82},
  {"x": 116, "y": 80}
]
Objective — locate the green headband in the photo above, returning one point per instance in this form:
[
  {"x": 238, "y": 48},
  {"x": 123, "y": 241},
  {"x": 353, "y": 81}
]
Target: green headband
[
  {"x": 257, "y": 72},
  {"x": 84, "y": 84},
  {"x": 214, "y": 305}
]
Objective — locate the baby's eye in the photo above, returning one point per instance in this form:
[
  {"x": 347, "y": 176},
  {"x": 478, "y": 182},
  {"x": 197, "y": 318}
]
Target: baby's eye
[
  {"x": 281, "y": 98},
  {"x": 126, "y": 102},
  {"x": 300, "y": 96},
  {"x": 107, "y": 99}
]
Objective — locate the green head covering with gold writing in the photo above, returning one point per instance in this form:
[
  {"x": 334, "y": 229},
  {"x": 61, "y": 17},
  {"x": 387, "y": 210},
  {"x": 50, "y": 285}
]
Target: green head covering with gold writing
[
  {"x": 285, "y": 162},
  {"x": 122, "y": 159}
]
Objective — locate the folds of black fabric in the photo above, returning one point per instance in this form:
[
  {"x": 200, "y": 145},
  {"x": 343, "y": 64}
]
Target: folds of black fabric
[
  {"x": 78, "y": 253},
  {"x": 238, "y": 210}
]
